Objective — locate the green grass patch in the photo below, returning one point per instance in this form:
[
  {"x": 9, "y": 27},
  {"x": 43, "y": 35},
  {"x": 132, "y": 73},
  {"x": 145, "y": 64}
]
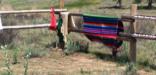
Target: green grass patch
[{"x": 81, "y": 3}]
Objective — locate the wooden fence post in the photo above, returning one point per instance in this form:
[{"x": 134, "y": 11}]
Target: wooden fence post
[
  {"x": 61, "y": 4},
  {"x": 64, "y": 29},
  {"x": 133, "y": 41}
]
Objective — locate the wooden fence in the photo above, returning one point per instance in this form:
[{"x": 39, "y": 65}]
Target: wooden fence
[
  {"x": 27, "y": 26},
  {"x": 132, "y": 36},
  {"x": 67, "y": 19}
]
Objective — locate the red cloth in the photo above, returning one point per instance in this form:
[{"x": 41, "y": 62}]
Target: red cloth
[{"x": 53, "y": 20}]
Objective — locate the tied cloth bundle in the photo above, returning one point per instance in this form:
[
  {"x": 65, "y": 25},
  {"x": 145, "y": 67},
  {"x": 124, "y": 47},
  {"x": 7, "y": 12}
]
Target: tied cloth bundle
[
  {"x": 53, "y": 20},
  {"x": 57, "y": 26}
]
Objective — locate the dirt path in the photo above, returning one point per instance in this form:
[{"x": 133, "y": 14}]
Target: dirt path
[{"x": 76, "y": 64}]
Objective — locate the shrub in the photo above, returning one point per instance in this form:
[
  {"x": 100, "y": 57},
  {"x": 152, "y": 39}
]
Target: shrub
[
  {"x": 131, "y": 69},
  {"x": 76, "y": 46},
  {"x": 15, "y": 55},
  {"x": 6, "y": 59}
]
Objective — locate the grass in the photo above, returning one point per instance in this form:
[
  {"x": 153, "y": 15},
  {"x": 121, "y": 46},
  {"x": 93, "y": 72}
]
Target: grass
[
  {"x": 26, "y": 64},
  {"x": 46, "y": 4},
  {"x": 15, "y": 56},
  {"x": 131, "y": 69},
  {"x": 27, "y": 4},
  {"x": 40, "y": 42},
  {"x": 81, "y": 3},
  {"x": 7, "y": 62},
  {"x": 34, "y": 53},
  {"x": 76, "y": 44}
]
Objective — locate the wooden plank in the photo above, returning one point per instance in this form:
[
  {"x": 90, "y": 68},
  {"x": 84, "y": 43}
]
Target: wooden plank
[
  {"x": 64, "y": 29},
  {"x": 145, "y": 17},
  {"x": 123, "y": 18},
  {"x": 124, "y": 36},
  {"x": 139, "y": 17},
  {"x": 133, "y": 41},
  {"x": 31, "y": 11},
  {"x": 26, "y": 26},
  {"x": 70, "y": 22},
  {"x": 138, "y": 36},
  {"x": 1, "y": 26}
]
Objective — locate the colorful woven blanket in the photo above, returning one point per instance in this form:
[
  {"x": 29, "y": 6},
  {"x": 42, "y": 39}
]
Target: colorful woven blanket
[{"x": 103, "y": 29}]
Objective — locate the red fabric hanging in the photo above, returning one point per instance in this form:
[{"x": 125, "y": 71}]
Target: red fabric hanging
[{"x": 53, "y": 20}]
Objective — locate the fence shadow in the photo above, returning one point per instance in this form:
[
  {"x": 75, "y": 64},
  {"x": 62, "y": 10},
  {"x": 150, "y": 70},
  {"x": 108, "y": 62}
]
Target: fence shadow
[
  {"x": 108, "y": 57},
  {"x": 112, "y": 7},
  {"x": 123, "y": 59}
]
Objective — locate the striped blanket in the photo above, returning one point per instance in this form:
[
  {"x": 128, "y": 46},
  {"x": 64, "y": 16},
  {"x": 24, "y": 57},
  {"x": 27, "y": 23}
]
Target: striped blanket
[{"x": 103, "y": 29}]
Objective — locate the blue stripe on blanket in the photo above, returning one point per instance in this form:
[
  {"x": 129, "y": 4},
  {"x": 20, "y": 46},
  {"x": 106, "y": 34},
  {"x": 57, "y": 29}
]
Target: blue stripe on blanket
[
  {"x": 86, "y": 28},
  {"x": 99, "y": 27},
  {"x": 89, "y": 31},
  {"x": 101, "y": 20}
]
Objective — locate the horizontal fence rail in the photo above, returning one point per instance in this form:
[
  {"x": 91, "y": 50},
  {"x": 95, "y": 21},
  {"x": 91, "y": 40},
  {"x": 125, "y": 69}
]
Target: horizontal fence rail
[
  {"x": 135, "y": 35},
  {"x": 31, "y": 11},
  {"x": 139, "y": 36},
  {"x": 140, "y": 17},
  {"x": 26, "y": 26},
  {"x": 124, "y": 18}
]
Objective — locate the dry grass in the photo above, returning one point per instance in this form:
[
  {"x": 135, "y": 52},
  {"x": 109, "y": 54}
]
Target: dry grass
[
  {"x": 75, "y": 64},
  {"x": 53, "y": 62}
]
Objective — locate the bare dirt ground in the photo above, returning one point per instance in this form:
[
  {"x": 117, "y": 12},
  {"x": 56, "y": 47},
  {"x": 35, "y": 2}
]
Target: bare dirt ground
[{"x": 56, "y": 63}]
